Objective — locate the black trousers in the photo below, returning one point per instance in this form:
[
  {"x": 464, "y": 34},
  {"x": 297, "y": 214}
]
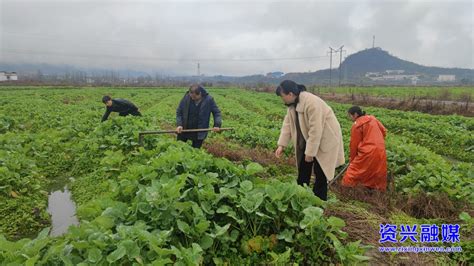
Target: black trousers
[
  {"x": 133, "y": 112},
  {"x": 320, "y": 188},
  {"x": 197, "y": 143}
]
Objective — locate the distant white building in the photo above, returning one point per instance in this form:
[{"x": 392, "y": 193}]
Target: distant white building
[
  {"x": 399, "y": 77},
  {"x": 372, "y": 74},
  {"x": 446, "y": 78},
  {"x": 389, "y": 75},
  {"x": 394, "y": 71},
  {"x": 7, "y": 76},
  {"x": 395, "y": 76}
]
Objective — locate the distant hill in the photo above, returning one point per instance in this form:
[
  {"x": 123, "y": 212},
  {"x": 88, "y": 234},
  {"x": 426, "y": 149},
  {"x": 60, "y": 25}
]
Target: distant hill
[
  {"x": 63, "y": 69},
  {"x": 378, "y": 60},
  {"x": 355, "y": 66}
]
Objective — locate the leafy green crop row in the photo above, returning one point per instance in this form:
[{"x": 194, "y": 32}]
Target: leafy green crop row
[{"x": 175, "y": 204}]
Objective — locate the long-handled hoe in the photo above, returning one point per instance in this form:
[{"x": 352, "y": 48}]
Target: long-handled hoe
[
  {"x": 339, "y": 175},
  {"x": 142, "y": 134}
]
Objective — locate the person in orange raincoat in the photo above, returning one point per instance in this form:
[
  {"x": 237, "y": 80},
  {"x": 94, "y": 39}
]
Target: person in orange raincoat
[{"x": 368, "y": 160}]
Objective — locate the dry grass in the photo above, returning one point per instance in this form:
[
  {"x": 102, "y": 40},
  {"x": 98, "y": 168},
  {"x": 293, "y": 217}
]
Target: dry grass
[{"x": 430, "y": 106}]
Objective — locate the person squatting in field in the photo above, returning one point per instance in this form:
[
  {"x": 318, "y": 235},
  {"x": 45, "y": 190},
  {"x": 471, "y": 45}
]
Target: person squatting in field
[
  {"x": 316, "y": 134},
  {"x": 194, "y": 112},
  {"x": 122, "y": 106},
  {"x": 368, "y": 159}
]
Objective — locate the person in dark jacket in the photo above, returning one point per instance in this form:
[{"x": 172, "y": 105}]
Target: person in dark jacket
[
  {"x": 122, "y": 106},
  {"x": 194, "y": 112}
]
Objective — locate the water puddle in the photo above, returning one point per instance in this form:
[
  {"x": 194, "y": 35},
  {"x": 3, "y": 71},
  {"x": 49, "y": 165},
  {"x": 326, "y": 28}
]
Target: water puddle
[{"x": 62, "y": 210}]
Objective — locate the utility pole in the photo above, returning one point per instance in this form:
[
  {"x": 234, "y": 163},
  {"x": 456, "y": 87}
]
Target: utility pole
[
  {"x": 331, "y": 51},
  {"x": 198, "y": 70},
  {"x": 373, "y": 41},
  {"x": 340, "y": 63}
]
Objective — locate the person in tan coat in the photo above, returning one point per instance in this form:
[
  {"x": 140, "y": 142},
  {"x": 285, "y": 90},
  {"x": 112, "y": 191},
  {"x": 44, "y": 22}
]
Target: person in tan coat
[{"x": 316, "y": 135}]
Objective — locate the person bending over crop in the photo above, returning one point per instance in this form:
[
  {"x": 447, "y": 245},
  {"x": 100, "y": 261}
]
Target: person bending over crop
[
  {"x": 122, "y": 106},
  {"x": 194, "y": 112},
  {"x": 316, "y": 135},
  {"x": 368, "y": 160}
]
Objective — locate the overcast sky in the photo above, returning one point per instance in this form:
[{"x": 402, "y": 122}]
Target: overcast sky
[{"x": 231, "y": 37}]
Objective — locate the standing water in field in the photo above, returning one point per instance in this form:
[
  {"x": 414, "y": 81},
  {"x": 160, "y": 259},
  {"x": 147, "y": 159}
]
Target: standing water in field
[{"x": 62, "y": 210}]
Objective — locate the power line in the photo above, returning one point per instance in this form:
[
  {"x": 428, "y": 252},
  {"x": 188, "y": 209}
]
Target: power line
[
  {"x": 151, "y": 58},
  {"x": 96, "y": 41}
]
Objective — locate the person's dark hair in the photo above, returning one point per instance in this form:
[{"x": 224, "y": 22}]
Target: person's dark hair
[
  {"x": 288, "y": 86},
  {"x": 356, "y": 110},
  {"x": 106, "y": 98},
  {"x": 196, "y": 89}
]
